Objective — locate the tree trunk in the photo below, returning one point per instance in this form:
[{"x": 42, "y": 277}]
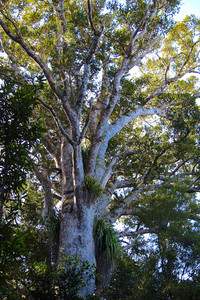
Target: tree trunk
[
  {"x": 77, "y": 216},
  {"x": 104, "y": 270},
  {"x": 76, "y": 238}
]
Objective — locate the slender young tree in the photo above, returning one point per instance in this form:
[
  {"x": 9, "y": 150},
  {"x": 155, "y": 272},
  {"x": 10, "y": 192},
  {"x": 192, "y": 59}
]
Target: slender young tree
[{"x": 115, "y": 85}]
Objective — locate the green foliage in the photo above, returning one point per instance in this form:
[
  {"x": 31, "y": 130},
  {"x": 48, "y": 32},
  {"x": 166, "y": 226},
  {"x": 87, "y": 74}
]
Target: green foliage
[
  {"x": 52, "y": 221},
  {"x": 54, "y": 282},
  {"x": 141, "y": 279},
  {"x": 37, "y": 280},
  {"x": 19, "y": 132},
  {"x": 166, "y": 262},
  {"x": 123, "y": 278},
  {"x": 18, "y": 245},
  {"x": 106, "y": 239},
  {"x": 92, "y": 184}
]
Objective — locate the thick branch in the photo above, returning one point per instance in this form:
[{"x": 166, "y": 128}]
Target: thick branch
[
  {"x": 115, "y": 159},
  {"x": 121, "y": 210},
  {"x": 105, "y": 113},
  {"x": 135, "y": 233},
  {"x": 61, "y": 11},
  {"x": 125, "y": 66},
  {"x": 85, "y": 127},
  {"x": 90, "y": 17},
  {"x": 179, "y": 166},
  {"x": 112, "y": 130},
  {"x": 167, "y": 81},
  {"x": 125, "y": 119},
  {"x": 65, "y": 134},
  {"x": 195, "y": 217},
  {"x": 52, "y": 149},
  {"x": 18, "y": 39},
  {"x": 119, "y": 184}
]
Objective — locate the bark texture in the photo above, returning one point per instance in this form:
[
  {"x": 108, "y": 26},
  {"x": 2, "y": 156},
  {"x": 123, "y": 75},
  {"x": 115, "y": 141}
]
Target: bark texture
[{"x": 76, "y": 238}]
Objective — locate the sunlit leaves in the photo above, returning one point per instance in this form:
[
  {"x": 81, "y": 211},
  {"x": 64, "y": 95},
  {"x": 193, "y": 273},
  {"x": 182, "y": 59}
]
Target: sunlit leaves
[{"x": 19, "y": 132}]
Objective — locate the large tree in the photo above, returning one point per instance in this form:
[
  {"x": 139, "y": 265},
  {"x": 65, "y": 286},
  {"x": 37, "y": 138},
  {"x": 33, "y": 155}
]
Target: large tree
[{"x": 113, "y": 77}]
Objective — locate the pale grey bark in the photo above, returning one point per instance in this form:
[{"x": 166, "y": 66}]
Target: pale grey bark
[
  {"x": 66, "y": 165},
  {"x": 76, "y": 238}
]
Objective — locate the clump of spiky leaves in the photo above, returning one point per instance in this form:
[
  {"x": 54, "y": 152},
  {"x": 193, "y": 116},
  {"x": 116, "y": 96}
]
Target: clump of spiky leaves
[
  {"x": 106, "y": 240},
  {"x": 106, "y": 249},
  {"x": 92, "y": 185}
]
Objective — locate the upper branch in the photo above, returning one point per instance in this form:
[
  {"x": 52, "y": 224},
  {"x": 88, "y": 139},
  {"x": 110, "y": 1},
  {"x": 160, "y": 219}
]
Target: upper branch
[
  {"x": 188, "y": 56},
  {"x": 61, "y": 11},
  {"x": 135, "y": 233},
  {"x": 147, "y": 174},
  {"x": 90, "y": 54},
  {"x": 115, "y": 159},
  {"x": 90, "y": 17},
  {"x": 10, "y": 55},
  {"x": 128, "y": 62},
  {"x": 182, "y": 72},
  {"x": 19, "y": 39},
  {"x": 125, "y": 119},
  {"x": 142, "y": 27},
  {"x": 86, "y": 74},
  {"x": 57, "y": 122},
  {"x": 85, "y": 127},
  {"x": 50, "y": 147}
]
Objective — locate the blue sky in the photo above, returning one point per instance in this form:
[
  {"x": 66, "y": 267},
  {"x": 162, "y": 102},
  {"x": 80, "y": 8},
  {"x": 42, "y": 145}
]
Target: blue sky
[{"x": 189, "y": 7}]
